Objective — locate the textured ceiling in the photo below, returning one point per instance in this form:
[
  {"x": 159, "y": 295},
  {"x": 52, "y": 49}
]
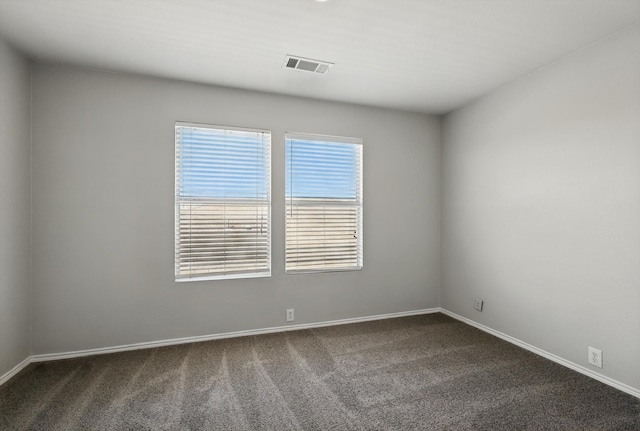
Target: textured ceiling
[{"x": 429, "y": 56}]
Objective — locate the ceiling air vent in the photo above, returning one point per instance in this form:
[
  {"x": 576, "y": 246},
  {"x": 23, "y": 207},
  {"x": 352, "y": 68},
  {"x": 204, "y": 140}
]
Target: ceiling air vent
[{"x": 300, "y": 63}]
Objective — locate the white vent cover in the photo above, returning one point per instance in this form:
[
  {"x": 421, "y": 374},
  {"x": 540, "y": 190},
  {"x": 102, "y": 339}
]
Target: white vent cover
[{"x": 301, "y": 63}]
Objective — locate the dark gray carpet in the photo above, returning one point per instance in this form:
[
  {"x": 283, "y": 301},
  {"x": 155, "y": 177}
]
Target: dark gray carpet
[{"x": 415, "y": 373}]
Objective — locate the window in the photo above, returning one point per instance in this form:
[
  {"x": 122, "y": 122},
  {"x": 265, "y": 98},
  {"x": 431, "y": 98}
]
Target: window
[
  {"x": 223, "y": 202},
  {"x": 323, "y": 203}
]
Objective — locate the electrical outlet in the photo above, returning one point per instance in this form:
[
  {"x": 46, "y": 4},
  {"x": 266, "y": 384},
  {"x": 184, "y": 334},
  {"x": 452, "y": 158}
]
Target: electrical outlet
[
  {"x": 595, "y": 357},
  {"x": 290, "y": 317},
  {"x": 479, "y": 303}
]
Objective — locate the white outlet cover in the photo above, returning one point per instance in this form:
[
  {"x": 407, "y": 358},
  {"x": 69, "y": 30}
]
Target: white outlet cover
[
  {"x": 479, "y": 303},
  {"x": 595, "y": 357}
]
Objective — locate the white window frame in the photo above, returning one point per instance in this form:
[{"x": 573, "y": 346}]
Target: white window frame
[
  {"x": 358, "y": 203},
  {"x": 266, "y": 136}
]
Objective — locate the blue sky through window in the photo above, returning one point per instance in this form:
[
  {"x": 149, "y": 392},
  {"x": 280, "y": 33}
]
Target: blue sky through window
[
  {"x": 320, "y": 169},
  {"x": 223, "y": 163}
]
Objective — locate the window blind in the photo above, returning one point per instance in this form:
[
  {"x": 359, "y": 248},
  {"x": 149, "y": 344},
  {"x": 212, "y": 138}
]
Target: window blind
[
  {"x": 323, "y": 188},
  {"x": 223, "y": 202}
]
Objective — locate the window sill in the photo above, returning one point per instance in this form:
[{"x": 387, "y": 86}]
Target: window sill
[{"x": 223, "y": 277}]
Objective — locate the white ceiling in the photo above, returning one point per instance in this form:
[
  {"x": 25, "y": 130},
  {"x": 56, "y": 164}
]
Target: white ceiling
[{"x": 428, "y": 56}]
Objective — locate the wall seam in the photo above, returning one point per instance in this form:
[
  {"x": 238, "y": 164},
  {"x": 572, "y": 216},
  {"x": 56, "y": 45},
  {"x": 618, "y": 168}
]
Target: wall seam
[
  {"x": 31, "y": 288},
  {"x": 441, "y": 207}
]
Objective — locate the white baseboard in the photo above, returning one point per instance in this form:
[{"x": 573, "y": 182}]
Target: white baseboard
[
  {"x": 175, "y": 341},
  {"x": 15, "y": 370},
  {"x": 572, "y": 365},
  {"x": 185, "y": 340}
]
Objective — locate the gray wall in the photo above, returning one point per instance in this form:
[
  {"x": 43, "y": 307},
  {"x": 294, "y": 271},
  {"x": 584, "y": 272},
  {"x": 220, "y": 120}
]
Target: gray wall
[
  {"x": 103, "y": 202},
  {"x": 15, "y": 209},
  {"x": 541, "y": 207}
]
